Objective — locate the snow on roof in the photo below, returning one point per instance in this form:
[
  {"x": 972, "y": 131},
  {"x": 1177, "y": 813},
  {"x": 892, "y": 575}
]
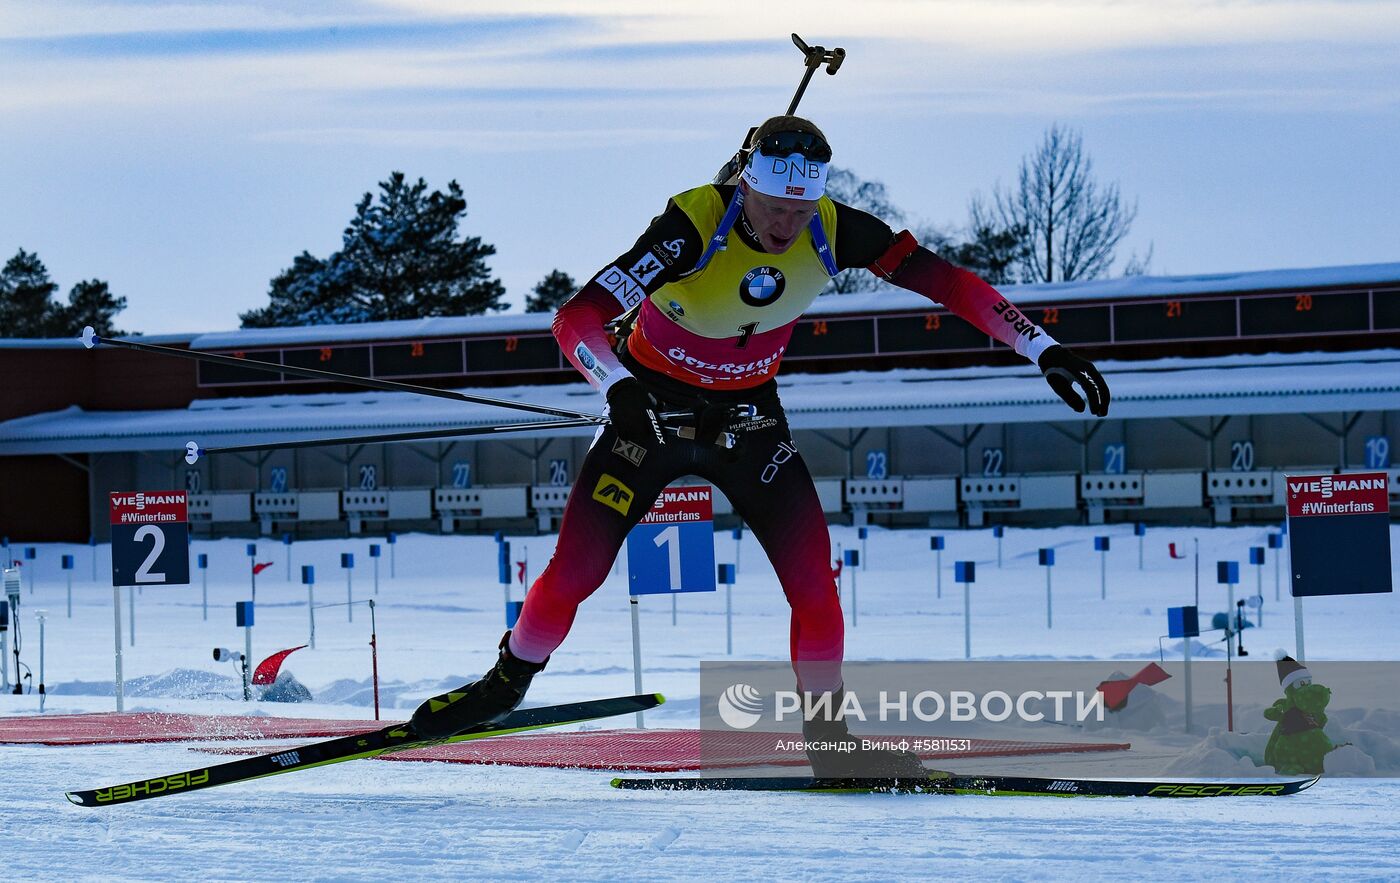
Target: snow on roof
[
  {"x": 1177, "y": 387},
  {"x": 1127, "y": 287}
]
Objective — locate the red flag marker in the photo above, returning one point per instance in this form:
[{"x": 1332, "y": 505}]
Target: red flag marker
[
  {"x": 267, "y": 670},
  {"x": 1115, "y": 692}
]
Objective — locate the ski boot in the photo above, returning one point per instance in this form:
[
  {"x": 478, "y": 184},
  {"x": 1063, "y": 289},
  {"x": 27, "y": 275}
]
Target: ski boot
[
  {"x": 481, "y": 702},
  {"x": 835, "y": 754}
]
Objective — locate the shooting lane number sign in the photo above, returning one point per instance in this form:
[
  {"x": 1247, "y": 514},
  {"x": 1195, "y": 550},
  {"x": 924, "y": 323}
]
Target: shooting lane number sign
[{"x": 150, "y": 538}]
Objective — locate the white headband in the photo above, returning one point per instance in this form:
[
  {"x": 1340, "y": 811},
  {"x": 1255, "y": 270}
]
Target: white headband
[{"x": 789, "y": 177}]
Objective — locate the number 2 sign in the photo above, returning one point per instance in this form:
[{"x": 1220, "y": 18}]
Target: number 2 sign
[{"x": 150, "y": 538}]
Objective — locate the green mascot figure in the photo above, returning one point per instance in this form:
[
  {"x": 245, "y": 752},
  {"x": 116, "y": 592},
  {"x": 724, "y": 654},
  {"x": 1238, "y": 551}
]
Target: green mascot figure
[{"x": 1298, "y": 744}]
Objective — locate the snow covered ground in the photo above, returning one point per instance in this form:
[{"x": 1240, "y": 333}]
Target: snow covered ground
[{"x": 438, "y": 623}]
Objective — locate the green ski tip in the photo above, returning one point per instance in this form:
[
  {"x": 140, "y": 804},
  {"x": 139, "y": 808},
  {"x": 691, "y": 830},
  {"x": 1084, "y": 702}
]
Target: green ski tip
[{"x": 660, "y": 699}]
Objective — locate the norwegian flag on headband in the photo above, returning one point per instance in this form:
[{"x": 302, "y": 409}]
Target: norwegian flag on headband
[
  {"x": 259, "y": 568},
  {"x": 1115, "y": 692}
]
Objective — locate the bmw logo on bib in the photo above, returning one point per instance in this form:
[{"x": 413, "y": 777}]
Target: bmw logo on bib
[{"x": 762, "y": 286}]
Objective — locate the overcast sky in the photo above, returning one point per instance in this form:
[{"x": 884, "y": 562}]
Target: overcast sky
[{"x": 186, "y": 153}]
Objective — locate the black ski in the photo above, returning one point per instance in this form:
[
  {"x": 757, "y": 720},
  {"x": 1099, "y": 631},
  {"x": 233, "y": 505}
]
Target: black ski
[
  {"x": 990, "y": 785},
  {"x": 396, "y": 737}
]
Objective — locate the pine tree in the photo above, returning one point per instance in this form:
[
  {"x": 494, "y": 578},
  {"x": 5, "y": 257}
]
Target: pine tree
[
  {"x": 550, "y": 292},
  {"x": 90, "y": 303},
  {"x": 400, "y": 258},
  {"x": 27, "y": 307}
]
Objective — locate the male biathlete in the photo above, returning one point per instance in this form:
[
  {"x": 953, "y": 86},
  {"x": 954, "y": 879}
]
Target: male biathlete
[{"x": 709, "y": 296}]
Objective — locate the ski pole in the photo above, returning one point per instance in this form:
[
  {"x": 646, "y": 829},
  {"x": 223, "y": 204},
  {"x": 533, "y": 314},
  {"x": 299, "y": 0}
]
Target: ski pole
[
  {"x": 92, "y": 339},
  {"x": 193, "y": 451}
]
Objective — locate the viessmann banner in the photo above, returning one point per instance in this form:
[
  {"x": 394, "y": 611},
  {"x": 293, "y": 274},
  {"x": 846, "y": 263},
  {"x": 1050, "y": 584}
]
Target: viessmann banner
[{"x": 1051, "y": 719}]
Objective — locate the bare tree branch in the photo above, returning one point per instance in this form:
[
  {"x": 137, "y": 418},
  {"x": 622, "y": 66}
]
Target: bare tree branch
[{"x": 1072, "y": 225}]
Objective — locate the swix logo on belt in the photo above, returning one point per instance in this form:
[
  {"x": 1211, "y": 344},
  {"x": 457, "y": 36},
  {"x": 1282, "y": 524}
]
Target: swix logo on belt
[{"x": 613, "y": 493}]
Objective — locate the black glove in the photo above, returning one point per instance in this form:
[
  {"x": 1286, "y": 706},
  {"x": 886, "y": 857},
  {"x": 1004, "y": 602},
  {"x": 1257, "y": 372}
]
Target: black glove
[
  {"x": 1063, "y": 369},
  {"x": 632, "y": 412}
]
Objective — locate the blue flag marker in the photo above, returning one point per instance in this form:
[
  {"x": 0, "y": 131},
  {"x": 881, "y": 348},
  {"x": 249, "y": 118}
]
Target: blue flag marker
[
  {"x": 503, "y": 577},
  {"x": 202, "y": 562},
  {"x": 851, "y": 558},
  {"x": 308, "y": 579},
  {"x": 347, "y": 561},
  {"x": 1047, "y": 560},
  {"x": 1183, "y": 622},
  {"x": 1101, "y": 545},
  {"x": 965, "y": 572},
  {"x": 935, "y": 544},
  {"x": 1227, "y": 572},
  {"x": 67, "y": 564}
]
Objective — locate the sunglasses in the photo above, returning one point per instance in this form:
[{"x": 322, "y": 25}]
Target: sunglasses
[{"x": 806, "y": 144}]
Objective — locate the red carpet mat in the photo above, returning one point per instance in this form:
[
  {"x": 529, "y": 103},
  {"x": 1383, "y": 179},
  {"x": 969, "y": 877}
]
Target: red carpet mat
[
  {"x": 638, "y": 750},
  {"x": 110, "y": 728},
  {"x": 661, "y": 751}
]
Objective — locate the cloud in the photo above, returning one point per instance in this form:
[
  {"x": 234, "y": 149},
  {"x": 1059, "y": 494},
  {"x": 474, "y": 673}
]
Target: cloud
[
  {"x": 286, "y": 37},
  {"x": 468, "y": 140}
]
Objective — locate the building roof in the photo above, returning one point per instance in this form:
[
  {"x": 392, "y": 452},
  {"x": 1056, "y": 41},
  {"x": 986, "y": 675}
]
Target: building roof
[
  {"x": 1178, "y": 387},
  {"x": 888, "y": 300}
]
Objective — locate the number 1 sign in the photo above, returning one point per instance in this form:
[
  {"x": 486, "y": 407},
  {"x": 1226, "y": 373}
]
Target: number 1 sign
[{"x": 673, "y": 548}]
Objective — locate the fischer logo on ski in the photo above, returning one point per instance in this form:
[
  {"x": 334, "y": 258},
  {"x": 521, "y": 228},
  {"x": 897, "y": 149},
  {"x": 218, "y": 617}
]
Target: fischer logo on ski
[
  {"x": 1208, "y": 790},
  {"x": 152, "y": 787}
]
